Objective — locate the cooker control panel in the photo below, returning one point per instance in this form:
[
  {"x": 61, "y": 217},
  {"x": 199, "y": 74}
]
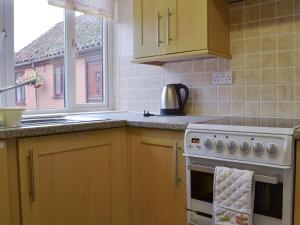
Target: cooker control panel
[{"x": 273, "y": 149}]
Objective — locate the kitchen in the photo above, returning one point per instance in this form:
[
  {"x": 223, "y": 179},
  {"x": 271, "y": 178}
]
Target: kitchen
[{"x": 128, "y": 165}]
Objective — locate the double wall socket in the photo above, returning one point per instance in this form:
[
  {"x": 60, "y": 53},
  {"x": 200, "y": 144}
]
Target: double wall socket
[{"x": 222, "y": 78}]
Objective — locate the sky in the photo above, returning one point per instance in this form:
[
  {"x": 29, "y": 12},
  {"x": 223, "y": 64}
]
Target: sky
[{"x": 33, "y": 18}]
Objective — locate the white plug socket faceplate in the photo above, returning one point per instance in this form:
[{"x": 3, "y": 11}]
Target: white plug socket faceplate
[{"x": 220, "y": 78}]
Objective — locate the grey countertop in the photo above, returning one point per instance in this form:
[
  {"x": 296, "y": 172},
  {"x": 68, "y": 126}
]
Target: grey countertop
[{"x": 110, "y": 120}]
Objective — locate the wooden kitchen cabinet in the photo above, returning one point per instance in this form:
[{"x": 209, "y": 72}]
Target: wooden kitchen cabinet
[
  {"x": 297, "y": 186},
  {"x": 175, "y": 30},
  {"x": 4, "y": 186},
  {"x": 157, "y": 177},
  {"x": 75, "y": 179}
]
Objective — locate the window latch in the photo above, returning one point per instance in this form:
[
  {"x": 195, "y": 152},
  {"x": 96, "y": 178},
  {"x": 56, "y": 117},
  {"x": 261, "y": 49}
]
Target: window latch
[
  {"x": 4, "y": 34},
  {"x": 74, "y": 44}
]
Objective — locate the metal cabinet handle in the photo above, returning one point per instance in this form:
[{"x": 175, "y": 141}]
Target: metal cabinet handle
[
  {"x": 158, "y": 29},
  {"x": 169, "y": 39},
  {"x": 31, "y": 176},
  {"x": 177, "y": 178},
  {"x": 4, "y": 34}
]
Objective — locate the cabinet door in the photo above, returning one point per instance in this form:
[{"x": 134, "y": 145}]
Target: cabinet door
[
  {"x": 297, "y": 185},
  {"x": 74, "y": 179},
  {"x": 157, "y": 178},
  {"x": 149, "y": 18},
  {"x": 186, "y": 27},
  {"x": 4, "y": 190}
]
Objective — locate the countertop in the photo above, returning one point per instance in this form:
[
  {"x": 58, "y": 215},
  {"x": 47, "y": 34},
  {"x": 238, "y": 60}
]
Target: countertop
[{"x": 110, "y": 120}]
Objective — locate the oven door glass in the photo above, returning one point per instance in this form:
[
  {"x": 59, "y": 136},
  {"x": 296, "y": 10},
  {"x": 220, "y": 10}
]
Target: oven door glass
[{"x": 267, "y": 201}]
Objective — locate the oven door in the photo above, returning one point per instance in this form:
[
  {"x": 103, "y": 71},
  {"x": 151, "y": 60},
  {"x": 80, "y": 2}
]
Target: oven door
[{"x": 268, "y": 201}]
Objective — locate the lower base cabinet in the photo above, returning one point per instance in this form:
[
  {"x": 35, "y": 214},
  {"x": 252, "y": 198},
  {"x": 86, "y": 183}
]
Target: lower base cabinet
[
  {"x": 157, "y": 177},
  {"x": 75, "y": 179}
]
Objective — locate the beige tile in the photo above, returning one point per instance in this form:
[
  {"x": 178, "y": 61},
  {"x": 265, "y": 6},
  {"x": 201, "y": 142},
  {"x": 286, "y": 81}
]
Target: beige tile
[
  {"x": 238, "y": 77},
  {"x": 285, "y": 59},
  {"x": 198, "y": 94},
  {"x": 224, "y": 108},
  {"x": 223, "y": 64},
  {"x": 210, "y": 108},
  {"x": 252, "y": 77},
  {"x": 285, "y": 41},
  {"x": 251, "y": 2},
  {"x": 268, "y": 109},
  {"x": 251, "y": 13},
  {"x": 186, "y": 67},
  {"x": 253, "y": 61},
  {"x": 198, "y": 108},
  {"x": 297, "y": 40},
  {"x": 268, "y": 43},
  {"x": 285, "y": 24},
  {"x": 285, "y": 93},
  {"x": 210, "y": 65},
  {"x": 284, "y": 8},
  {"x": 297, "y": 75},
  {"x": 268, "y": 76},
  {"x": 237, "y": 16},
  {"x": 237, "y": 5},
  {"x": 297, "y": 92},
  {"x": 238, "y": 93},
  {"x": 252, "y": 108},
  {"x": 237, "y": 47},
  {"x": 237, "y": 31},
  {"x": 224, "y": 93},
  {"x": 252, "y": 45},
  {"x": 267, "y": 27},
  {"x": 268, "y": 60},
  {"x": 297, "y": 58},
  {"x": 198, "y": 66},
  {"x": 285, "y": 75},
  {"x": 285, "y": 109},
  {"x": 238, "y": 108},
  {"x": 252, "y": 93},
  {"x": 297, "y": 110},
  {"x": 297, "y": 23},
  {"x": 238, "y": 62},
  {"x": 210, "y": 93},
  {"x": 267, "y": 10},
  {"x": 297, "y": 6},
  {"x": 252, "y": 29},
  {"x": 268, "y": 92},
  {"x": 207, "y": 79}
]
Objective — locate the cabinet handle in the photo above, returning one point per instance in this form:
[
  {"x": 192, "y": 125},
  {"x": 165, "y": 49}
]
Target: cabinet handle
[
  {"x": 158, "y": 29},
  {"x": 177, "y": 178},
  {"x": 169, "y": 39},
  {"x": 31, "y": 176}
]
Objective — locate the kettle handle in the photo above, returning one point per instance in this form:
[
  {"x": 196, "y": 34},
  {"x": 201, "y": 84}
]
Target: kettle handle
[{"x": 186, "y": 95}]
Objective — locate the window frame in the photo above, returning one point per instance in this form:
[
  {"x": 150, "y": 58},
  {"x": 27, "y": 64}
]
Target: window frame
[
  {"x": 20, "y": 73},
  {"x": 7, "y": 58}
]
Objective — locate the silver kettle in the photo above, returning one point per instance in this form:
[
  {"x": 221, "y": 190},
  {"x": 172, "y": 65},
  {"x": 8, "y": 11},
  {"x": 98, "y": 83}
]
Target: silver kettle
[{"x": 173, "y": 99}]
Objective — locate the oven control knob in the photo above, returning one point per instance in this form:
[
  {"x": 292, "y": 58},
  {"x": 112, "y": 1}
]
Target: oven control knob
[
  {"x": 219, "y": 145},
  {"x": 272, "y": 149},
  {"x": 208, "y": 143},
  {"x": 244, "y": 146},
  {"x": 231, "y": 145},
  {"x": 258, "y": 148}
]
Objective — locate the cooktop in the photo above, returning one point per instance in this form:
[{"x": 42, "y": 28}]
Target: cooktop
[{"x": 253, "y": 122}]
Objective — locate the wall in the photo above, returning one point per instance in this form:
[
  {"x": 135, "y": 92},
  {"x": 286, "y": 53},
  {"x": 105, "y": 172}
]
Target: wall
[{"x": 265, "y": 46}]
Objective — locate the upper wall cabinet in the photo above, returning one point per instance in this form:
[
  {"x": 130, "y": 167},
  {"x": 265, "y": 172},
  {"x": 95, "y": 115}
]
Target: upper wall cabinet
[{"x": 173, "y": 30}]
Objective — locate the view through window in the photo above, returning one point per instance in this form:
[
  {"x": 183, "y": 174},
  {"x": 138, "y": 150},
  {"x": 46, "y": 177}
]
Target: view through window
[{"x": 39, "y": 32}]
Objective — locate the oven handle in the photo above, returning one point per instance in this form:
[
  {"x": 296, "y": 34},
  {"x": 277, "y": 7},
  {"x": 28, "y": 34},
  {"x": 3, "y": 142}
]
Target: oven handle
[{"x": 258, "y": 178}]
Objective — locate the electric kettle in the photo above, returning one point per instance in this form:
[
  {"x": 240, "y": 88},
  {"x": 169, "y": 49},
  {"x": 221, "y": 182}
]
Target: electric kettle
[{"x": 173, "y": 99}]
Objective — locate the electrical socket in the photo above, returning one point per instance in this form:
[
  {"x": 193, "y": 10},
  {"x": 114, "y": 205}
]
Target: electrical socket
[{"x": 220, "y": 78}]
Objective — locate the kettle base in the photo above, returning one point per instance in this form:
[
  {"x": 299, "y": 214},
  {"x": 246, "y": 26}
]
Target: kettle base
[{"x": 171, "y": 112}]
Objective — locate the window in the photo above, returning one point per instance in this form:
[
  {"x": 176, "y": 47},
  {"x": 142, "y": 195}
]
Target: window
[
  {"x": 58, "y": 80},
  {"x": 20, "y": 91},
  {"x": 67, "y": 49}
]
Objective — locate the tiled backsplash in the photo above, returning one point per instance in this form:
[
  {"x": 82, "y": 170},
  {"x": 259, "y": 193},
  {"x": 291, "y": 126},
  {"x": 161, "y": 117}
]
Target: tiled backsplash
[{"x": 265, "y": 47}]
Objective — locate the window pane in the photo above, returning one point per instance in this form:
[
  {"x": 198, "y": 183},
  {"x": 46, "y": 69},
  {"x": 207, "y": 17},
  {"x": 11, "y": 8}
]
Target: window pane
[
  {"x": 89, "y": 59},
  {"x": 39, "y": 48}
]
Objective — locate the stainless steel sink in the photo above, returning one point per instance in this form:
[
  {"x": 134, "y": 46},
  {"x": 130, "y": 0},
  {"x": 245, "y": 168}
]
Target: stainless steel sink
[{"x": 46, "y": 121}]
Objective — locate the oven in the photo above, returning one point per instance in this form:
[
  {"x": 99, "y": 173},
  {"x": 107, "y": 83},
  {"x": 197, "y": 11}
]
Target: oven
[{"x": 273, "y": 200}]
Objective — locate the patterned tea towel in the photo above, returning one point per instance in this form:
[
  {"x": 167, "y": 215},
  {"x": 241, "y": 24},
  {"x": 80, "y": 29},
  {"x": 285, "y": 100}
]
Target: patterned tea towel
[{"x": 233, "y": 196}]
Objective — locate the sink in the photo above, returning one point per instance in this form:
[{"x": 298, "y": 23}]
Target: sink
[{"x": 62, "y": 120}]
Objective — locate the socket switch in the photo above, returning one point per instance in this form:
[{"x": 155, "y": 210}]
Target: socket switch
[{"x": 220, "y": 78}]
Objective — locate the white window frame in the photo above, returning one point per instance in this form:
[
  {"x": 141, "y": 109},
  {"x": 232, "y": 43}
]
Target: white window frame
[{"x": 7, "y": 64}]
